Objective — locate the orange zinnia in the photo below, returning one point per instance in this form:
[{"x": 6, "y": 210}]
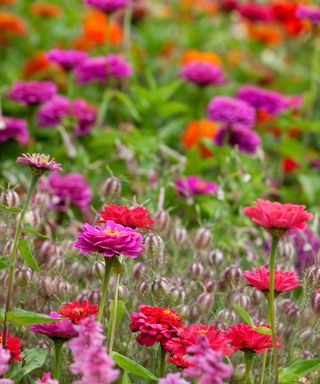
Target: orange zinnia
[
  {"x": 11, "y": 24},
  {"x": 45, "y": 9},
  {"x": 195, "y": 55},
  {"x": 267, "y": 34},
  {"x": 195, "y": 132}
]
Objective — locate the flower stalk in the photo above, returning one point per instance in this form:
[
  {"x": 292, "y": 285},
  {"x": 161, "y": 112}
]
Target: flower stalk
[
  {"x": 106, "y": 279},
  {"x": 249, "y": 357},
  {"x": 58, "y": 345}
]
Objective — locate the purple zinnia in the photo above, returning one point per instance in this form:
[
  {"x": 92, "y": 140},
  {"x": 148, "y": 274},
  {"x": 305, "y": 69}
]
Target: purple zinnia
[
  {"x": 310, "y": 13},
  {"x": 32, "y": 92},
  {"x": 92, "y": 69},
  {"x": 207, "y": 364},
  {"x": 46, "y": 379},
  {"x": 39, "y": 163},
  {"x": 107, "y": 6},
  {"x": 91, "y": 360},
  {"x": 85, "y": 115},
  {"x": 246, "y": 139},
  {"x": 202, "y": 73},
  {"x": 68, "y": 189},
  {"x": 231, "y": 111},
  {"x": 193, "y": 185},
  {"x": 51, "y": 113},
  {"x": 62, "y": 329},
  {"x": 68, "y": 59},
  {"x": 12, "y": 128},
  {"x": 118, "y": 67},
  {"x": 110, "y": 240},
  {"x": 173, "y": 378}
]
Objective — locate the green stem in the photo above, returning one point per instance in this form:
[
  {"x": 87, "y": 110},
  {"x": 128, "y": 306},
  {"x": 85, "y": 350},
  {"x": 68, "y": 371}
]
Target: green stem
[
  {"x": 162, "y": 361},
  {"x": 107, "y": 273},
  {"x": 58, "y": 344},
  {"x": 314, "y": 74},
  {"x": 265, "y": 354},
  {"x": 249, "y": 357},
  {"x": 13, "y": 256},
  {"x": 106, "y": 97},
  {"x": 113, "y": 319},
  {"x": 127, "y": 30},
  {"x": 271, "y": 308}
]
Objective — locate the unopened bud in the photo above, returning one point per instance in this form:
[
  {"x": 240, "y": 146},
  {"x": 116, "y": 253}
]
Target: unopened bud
[
  {"x": 139, "y": 270},
  {"x": 239, "y": 371},
  {"x": 215, "y": 257},
  {"x": 308, "y": 354},
  {"x": 232, "y": 274},
  {"x": 289, "y": 308},
  {"x": 241, "y": 299},
  {"x": 315, "y": 301},
  {"x": 256, "y": 297},
  {"x": 10, "y": 199},
  {"x": 162, "y": 221},
  {"x": 312, "y": 276},
  {"x": 95, "y": 296},
  {"x": 204, "y": 302},
  {"x": 33, "y": 218},
  {"x": 308, "y": 335},
  {"x": 211, "y": 285},
  {"x": 143, "y": 288},
  {"x": 154, "y": 245},
  {"x": 23, "y": 276},
  {"x": 160, "y": 287},
  {"x": 202, "y": 239},
  {"x": 226, "y": 315},
  {"x": 48, "y": 287},
  {"x": 98, "y": 270},
  {"x": 123, "y": 292},
  {"x": 46, "y": 251},
  {"x": 177, "y": 295},
  {"x": 196, "y": 269},
  {"x": 286, "y": 249},
  {"x": 179, "y": 237},
  {"x": 183, "y": 310},
  {"x": 111, "y": 188}
]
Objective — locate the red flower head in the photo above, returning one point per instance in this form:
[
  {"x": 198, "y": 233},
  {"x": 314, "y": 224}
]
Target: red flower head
[
  {"x": 188, "y": 336},
  {"x": 135, "y": 217},
  {"x": 289, "y": 165},
  {"x": 283, "y": 281},
  {"x": 13, "y": 345},
  {"x": 246, "y": 339},
  {"x": 278, "y": 218},
  {"x": 77, "y": 311},
  {"x": 155, "y": 324}
]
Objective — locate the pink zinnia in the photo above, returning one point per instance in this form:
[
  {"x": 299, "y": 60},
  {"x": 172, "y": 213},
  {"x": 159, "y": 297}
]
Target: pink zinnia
[
  {"x": 12, "y": 128},
  {"x": 46, "y": 379},
  {"x": 32, "y": 92},
  {"x": 108, "y": 6},
  {"x": 283, "y": 281},
  {"x": 62, "y": 329},
  {"x": 276, "y": 216},
  {"x": 193, "y": 185},
  {"x": 110, "y": 240},
  {"x": 68, "y": 59},
  {"x": 202, "y": 73},
  {"x": 39, "y": 163}
]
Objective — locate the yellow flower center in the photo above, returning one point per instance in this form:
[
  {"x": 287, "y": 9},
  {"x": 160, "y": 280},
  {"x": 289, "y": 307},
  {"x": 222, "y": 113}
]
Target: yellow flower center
[
  {"x": 202, "y": 331},
  {"x": 201, "y": 184},
  {"x": 166, "y": 311},
  {"x": 110, "y": 231}
]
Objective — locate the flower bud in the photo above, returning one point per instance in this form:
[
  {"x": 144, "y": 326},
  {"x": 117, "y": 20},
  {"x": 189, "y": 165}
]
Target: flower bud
[
  {"x": 10, "y": 199},
  {"x": 256, "y": 297},
  {"x": 162, "y": 221},
  {"x": 226, "y": 315},
  {"x": 154, "y": 245},
  {"x": 160, "y": 287},
  {"x": 211, "y": 285},
  {"x": 176, "y": 295},
  {"x": 289, "y": 308},
  {"x": 95, "y": 296},
  {"x": 41, "y": 202},
  {"x": 48, "y": 287},
  {"x": 204, "y": 302},
  {"x": 315, "y": 301},
  {"x": 64, "y": 288},
  {"x": 286, "y": 249},
  {"x": 23, "y": 276},
  {"x": 179, "y": 237},
  {"x": 98, "y": 270},
  {"x": 241, "y": 299},
  {"x": 111, "y": 188},
  {"x": 307, "y": 335},
  {"x": 196, "y": 269},
  {"x": 308, "y": 355},
  {"x": 123, "y": 292},
  {"x": 202, "y": 238},
  {"x": 312, "y": 276},
  {"x": 143, "y": 288},
  {"x": 138, "y": 270},
  {"x": 215, "y": 257},
  {"x": 46, "y": 251},
  {"x": 33, "y": 218},
  {"x": 238, "y": 373},
  {"x": 183, "y": 310},
  {"x": 232, "y": 274}
]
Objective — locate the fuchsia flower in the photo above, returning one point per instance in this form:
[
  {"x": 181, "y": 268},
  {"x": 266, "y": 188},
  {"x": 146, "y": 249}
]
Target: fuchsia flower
[
  {"x": 108, "y": 6},
  {"x": 91, "y": 360},
  {"x": 255, "y": 12},
  {"x": 283, "y": 281},
  {"x": 68, "y": 59},
  {"x": 173, "y": 378},
  {"x": 32, "y": 92},
  {"x": 202, "y": 73},
  {"x": 277, "y": 216},
  {"x": 12, "y": 128},
  {"x": 193, "y": 185},
  {"x": 5, "y": 356},
  {"x": 46, "y": 379},
  {"x": 62, "y": 329},
  {"x": 39, "y": 163},
  {"x": 66, "y": 190},
  {"x": 110, "y": 240},
  {"x": 310, "y": 13}
]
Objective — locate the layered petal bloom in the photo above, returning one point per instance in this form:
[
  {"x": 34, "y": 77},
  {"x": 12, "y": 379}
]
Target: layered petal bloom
[
  {"x": 309, "y": 13},
  {"x": 46, "y": 379},
  {"x": 62, "y": 329},
  {"x": 283, "y": 280},
  {"x": 32, "y": 92},
  {"x": 110, "y": 240},
  {"x": 117, "y": 67},
  {"x": 68, "y": 59},
  {"x": 193, "y": 185},
  {"x": 108, "y": 6},
  {"x": 91, "y": 360},
  {"x": 188, "y": 336},
  {"x": 77, "y": 311},
  {"x": 134, "y": 217},
  {"x": 231, "y": 111},
  {"x": 39, "y": 163},
  {"x": 12, "y": 128},
  {"x": 274, "y": 215},
  {"x": 13, "y": 345},
  {"x": 155, "y": 324},
  {"x": 202, "y": 73},
  {"x": 245, "y": 338}
]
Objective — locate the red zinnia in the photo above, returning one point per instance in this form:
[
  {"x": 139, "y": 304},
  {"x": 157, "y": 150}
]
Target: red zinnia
[
  {"x": 77, "y": 311},
  {"x": 245, "y": 338},
  {"x": 289, "y": 165},
  {"x": 135, "y": 217},
  {"x": 13, "y": 345},
  {"x": 276, "y": 216},
  {"x": 155, "y": 324},
  {"x": 188, "y": 336},
  {"x": 283, "y": 281}
]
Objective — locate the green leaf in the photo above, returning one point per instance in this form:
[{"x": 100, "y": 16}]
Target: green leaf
[
  {"x": 125, "y": 378},
  {"x": 4, "y": 262},
  {"x": 263, "y": 330},
  {"x": 34, "y": 232},
  {"x": 10, "y": 210},
  {"x": 20, "y": 316},
  {"x": 27, "y": 255},
  {"x": 132, "y": 366},
  {"x": 299, "y": 369},
  {"x": 32, "y": 359},
  {"x": 117, "y": 266},
  {"x": 121, "y": 309},
  {"x": 124, "y": 99},
  {"x": 245, "y": 315}
]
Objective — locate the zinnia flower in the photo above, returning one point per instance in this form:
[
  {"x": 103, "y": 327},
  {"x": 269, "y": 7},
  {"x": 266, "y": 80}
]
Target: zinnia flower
[
  {"x": 255, "y": 12},
  {"x": 68, "y": 59},
  {"x": 193, "y": 185},
  {"x": 110, "y": 240},
  {"x": 13, "y": 345},
  {"x": 39, "y": 163},
  {"x": 45, "y": 9},
  {"x": 283, "y": 281},
  {"x": 202, "y": 73},
  {"x": 91, "y": 360},
  {"x": 32, "y": 92},
  {"x": 117, "y": 67},
  {"x": 108, "y": 6},
  {"x": 277, "y": 217},
  {"x": 12, "y": 128},
  {"x": 4, "y": 360},
  {"x": 173, "y": 378},
  {"x": 188, "y": 336},
  {"x": 68, "y": 189},
  {"x": 46, "y": 379},
  {"x": 309, "y": 13},
  {"x": 77, "y": 311},
  {"x": 245, "y": 338},
  {"x": 134, "y": 217},
  {"x": 155, "y": 324},
  {"x": 62, "y": 329}
]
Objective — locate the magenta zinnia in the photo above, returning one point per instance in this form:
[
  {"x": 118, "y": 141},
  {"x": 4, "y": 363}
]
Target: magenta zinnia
[{"x": 62, "y": 329}]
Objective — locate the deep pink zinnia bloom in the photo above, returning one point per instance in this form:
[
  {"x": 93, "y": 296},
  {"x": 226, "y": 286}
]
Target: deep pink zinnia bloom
[
  {"x": 46, "y": 379},
  {"x": 108, "y": 6},
  {"x": 202, "y": 73},
  {"x": 117, "y": 67},
  {"x": 283, "y": 280},
  {"x": 12, "y": 128},
  {"x": 245, "y": 338},
  {"x": 39, "y": 163},
  {"x": 110, "y": 240},
  {"x": 193, "y": 185},
  {"x": 68, "y": 59},
  {"x": 32, "y": 92},
  {"x": 62, "y": 329},
  {"x": 274, "y": 215},
  {"x": 92, "y": 69}
]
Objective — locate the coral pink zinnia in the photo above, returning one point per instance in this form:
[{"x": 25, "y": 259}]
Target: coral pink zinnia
[
  {"x": 283, "y": 280},
  {"x": 276, "y": 216},
  {"x": 155, "y": 324},
  {"x": 77, "y": 311}
]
